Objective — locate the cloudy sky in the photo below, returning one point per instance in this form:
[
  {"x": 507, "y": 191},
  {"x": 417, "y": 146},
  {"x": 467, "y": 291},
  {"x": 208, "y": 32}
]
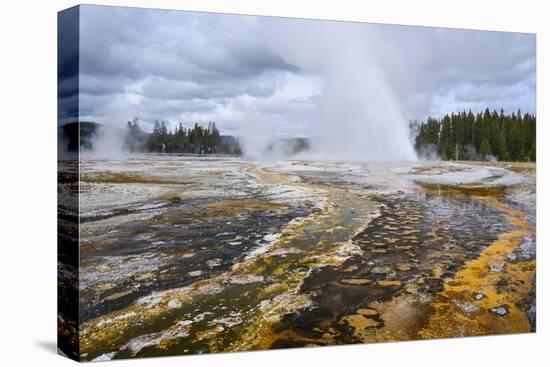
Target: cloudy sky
[{"x": 243, "y": 71}]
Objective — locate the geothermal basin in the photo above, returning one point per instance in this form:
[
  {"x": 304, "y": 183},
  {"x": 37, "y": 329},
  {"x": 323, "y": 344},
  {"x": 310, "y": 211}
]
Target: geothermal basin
[{"x": 193, "y": 254}]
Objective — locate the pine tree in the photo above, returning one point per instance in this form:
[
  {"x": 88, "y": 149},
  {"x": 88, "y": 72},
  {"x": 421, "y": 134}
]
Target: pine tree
[
  {"x": 533, "y": 153},
  {"x": 154, "y": 138},
  {"x": 502, "y": 149},
  {"x": 485, "y": 148}
]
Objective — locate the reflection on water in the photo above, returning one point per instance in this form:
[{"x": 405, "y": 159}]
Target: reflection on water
[{"x": 184, "y": 255}]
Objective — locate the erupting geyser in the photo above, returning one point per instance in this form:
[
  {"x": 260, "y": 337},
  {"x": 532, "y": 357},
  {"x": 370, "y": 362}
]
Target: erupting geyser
[{"x": 357, "y": 116}]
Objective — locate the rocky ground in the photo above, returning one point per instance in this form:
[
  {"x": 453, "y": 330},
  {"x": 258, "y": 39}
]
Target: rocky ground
[{"x": 194, "y": 255}]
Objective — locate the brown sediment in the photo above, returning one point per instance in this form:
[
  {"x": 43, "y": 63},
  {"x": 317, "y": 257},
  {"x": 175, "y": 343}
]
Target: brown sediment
[
  {"x": 128, "y": 178},
  {"x": 361, "y": 324},
  {"x": 389, "y": 283},
  {"x": 173, "y": 197},
  {"x": 355, "y": 281},
  {"x": 458, "y": 312},
  {"x": 473, "y": 190},
  {"x": 402, "y": 317}
]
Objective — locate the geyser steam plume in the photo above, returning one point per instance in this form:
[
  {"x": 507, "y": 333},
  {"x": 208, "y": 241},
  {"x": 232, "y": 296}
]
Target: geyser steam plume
[
  {"x": 108, "y": 141},
  {"x": 357, "y": 115}
]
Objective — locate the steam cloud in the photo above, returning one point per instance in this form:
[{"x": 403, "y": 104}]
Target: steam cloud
[
  {"x": 108, "y": 141},
  {"x": 357, "y": 115}
]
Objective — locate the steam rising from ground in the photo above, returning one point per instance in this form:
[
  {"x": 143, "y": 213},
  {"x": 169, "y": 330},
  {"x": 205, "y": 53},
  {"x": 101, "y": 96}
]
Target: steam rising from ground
[
  {"x": 357, "y": 115},
  {"x": 108, "y": 141},
  {"x": 256, "y": 137}
]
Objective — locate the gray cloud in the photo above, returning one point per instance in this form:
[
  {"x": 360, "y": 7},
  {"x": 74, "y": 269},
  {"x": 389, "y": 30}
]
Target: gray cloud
[{"x": 185, "y": 66}]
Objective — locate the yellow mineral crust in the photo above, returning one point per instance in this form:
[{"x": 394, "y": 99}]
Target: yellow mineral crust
[{"x": 457, "y": 312}]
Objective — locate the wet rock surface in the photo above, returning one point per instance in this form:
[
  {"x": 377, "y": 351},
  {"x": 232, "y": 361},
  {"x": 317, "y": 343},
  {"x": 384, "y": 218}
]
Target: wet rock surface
[
  {"x": 184, "y": 255},
  {"x": 187, "y": 242},
  {"x": 410, "y": 248}
]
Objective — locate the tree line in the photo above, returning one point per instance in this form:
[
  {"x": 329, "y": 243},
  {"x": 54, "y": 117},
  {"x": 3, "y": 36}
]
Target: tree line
[
  {"x": 483, "y": 136},
  {"x": 196, "y": 140}
]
